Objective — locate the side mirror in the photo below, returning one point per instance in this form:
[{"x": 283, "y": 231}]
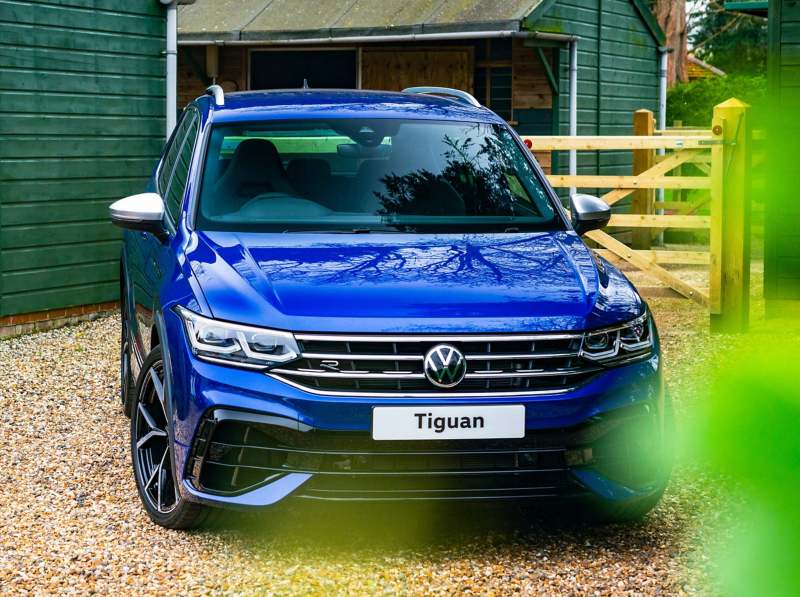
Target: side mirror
[
  {"x": 588, "y": 213},
  {"x": 143, "y": 212}
]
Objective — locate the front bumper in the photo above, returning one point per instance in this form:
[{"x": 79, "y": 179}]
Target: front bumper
[
  {"x": 246, "y": 440},
  {"x": 236, "y": 453}
]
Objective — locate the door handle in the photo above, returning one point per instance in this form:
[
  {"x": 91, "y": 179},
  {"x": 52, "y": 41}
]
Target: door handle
[{"x": 144, "y": 235}]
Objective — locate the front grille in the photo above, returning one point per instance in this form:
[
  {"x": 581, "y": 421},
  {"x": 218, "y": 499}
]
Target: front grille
[{"x": 393, "y": 365}]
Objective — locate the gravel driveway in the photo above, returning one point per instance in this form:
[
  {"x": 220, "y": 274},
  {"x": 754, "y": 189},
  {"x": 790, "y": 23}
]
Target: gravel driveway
[{"x": 72, "y": 523}]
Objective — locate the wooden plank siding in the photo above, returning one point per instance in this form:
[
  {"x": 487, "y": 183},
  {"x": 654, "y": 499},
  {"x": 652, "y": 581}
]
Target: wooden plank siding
[
  {"x": 81, "y": 125},
  {"x": 617, "y": 74},
  {"x": 232, "y": 68},
  {"x": 782, "y": 210}
]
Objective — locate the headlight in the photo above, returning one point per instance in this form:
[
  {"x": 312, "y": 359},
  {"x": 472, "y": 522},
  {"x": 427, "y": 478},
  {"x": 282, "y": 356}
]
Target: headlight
[
  {"x": 238, "y": 345},
  {"x": 620, "y": 344}
]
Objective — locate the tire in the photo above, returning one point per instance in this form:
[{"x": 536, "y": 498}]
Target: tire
[
  {"x": 127, "y": 385},
  {"x": 151, "y": 454}
]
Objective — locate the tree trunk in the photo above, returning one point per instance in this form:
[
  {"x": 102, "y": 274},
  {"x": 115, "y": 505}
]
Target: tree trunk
[{"x": 671, "y": 15}]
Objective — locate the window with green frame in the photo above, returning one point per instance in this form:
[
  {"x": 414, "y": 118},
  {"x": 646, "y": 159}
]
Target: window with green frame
[{"x": 493, "y": 75}]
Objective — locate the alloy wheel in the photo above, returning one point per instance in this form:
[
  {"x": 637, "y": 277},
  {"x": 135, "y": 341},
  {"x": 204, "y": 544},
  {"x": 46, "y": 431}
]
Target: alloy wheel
[{"x": 152, "y": 446}]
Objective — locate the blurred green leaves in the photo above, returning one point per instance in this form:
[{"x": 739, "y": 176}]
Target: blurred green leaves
[
  {"x": 751, "y": 431},
  {"x": 693, "y": 103}
]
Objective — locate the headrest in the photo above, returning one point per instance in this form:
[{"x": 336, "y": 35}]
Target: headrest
[{"x": 255, "y": 153}]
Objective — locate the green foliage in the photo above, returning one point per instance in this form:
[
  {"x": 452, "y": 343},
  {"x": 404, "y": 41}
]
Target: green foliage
[
  {"x": 693, "y": 103},
  {"x": 733, "y": 42},
  {"x": 750, "y": 432}
]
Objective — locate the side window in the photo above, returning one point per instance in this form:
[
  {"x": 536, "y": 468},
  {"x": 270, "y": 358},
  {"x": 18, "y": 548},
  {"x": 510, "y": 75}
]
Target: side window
[
  {"x": 177, "y": 184},
  {"x": 172, "y": 154}
]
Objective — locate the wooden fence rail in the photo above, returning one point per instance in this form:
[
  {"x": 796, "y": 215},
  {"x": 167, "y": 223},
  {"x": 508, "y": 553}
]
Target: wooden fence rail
[{"x": 721, "y": 155}]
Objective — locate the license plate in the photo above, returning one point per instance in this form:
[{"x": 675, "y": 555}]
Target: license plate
[{"x": 448, "y": 422}]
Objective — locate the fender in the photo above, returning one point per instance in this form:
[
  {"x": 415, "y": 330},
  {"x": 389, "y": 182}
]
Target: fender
[{"x": 163, "y": 341}]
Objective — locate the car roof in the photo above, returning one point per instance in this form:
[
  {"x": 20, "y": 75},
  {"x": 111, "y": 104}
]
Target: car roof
[{"x": 285, "y": 104}]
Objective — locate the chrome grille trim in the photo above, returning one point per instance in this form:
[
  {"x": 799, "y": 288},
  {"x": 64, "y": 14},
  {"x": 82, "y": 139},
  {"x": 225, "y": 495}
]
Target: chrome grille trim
[
  {"x": 530, "y": 373},
  {"x": 438, "y": 339},
  {"x": 434, "y": 394},
  {"x": 500, "y": 356},
  {"x": 351, "y": 356},
  {"x": 360, "y": 375}
]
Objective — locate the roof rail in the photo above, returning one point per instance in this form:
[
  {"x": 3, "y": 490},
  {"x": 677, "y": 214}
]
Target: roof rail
[
  {"x": 456, "y": 94},
  {"x": 219, "y": 95}
]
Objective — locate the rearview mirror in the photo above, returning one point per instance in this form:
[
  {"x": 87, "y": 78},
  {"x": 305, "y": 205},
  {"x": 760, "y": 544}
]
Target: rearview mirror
[
  {"x": 588, "y": 213},
  {"x": 353, "y": 150},
  {"x": 143, "y": 212}
]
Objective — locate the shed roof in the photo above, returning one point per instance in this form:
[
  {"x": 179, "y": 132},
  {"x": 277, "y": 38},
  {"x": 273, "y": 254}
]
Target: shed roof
[{"x": 258, "y": 20}]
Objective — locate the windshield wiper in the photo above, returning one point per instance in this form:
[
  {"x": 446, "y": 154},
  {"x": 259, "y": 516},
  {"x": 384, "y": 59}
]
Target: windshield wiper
[{"x": 342, "y": 231}]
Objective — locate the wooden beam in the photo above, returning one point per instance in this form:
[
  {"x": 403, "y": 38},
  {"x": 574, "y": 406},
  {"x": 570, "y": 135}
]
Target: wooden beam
[
  {"x": 198, "y": 70},
  {"x": 684, "y": 132},
  {"x": 551, "y": 80},
  {"x": 643, "y": 161},
  {"x": 629, "y": 182},
  {"x": 684, "y": 208},
  {"x": 613, "y": 196},
  {"x": 715, "y": 266},
  {"x": 673, "y": 160},
  {"x": 661, "y": 257},
  {"x": 734, "y": 228},
  {"x": 648, "y": 267},
  {"x": 649, "y": 220},
  {"x": 649, "y": 292},
  {"x": 544, "y": 143},
  {"x": 702, "y": 158}
]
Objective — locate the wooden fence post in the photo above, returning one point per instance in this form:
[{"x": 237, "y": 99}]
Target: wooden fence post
[
  {"x": 643, "y": 159},
  {"x": 730, "y": 219}
]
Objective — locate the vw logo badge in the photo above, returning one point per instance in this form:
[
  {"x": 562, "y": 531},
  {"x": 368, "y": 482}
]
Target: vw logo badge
[{"x": 445, "y": 366}]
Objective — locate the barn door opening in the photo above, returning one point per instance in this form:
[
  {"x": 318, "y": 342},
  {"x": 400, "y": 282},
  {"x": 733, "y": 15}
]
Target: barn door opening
[{"x": 286, "y": 69}]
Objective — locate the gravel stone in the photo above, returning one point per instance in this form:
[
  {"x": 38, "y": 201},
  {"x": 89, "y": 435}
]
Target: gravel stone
[{"x": 73, "y": 524}]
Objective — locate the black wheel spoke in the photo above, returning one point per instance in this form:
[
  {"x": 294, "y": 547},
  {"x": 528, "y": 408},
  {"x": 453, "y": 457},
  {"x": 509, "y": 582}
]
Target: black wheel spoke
[
  {"x": 151, "y": 435},
  {"x": 152, "y": 444},
  {"x": 159, "y": 388}
]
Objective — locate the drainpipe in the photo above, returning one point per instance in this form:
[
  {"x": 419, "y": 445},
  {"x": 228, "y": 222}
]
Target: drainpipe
[
  {"x": 662, "y": 120},
  {"x": 172, "y": 63},
  {"x": 573, "y": 107}
]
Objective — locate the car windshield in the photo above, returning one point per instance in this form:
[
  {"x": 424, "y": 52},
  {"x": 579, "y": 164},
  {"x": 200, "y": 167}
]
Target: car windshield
[{"x": 370, "y": 175}]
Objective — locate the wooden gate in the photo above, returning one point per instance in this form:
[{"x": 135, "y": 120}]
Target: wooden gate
[{"x": 721, "y": 155}]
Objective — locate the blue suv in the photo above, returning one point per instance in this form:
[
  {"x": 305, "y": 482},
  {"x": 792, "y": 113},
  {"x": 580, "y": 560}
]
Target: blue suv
[{"x": 359, "y": 295}]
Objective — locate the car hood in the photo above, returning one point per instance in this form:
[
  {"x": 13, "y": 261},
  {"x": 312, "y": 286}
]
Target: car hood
[{"x": 381, "y": 283}]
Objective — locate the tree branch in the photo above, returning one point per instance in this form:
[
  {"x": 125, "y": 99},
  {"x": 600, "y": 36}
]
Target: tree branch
[{"x": 725, "y": 28}]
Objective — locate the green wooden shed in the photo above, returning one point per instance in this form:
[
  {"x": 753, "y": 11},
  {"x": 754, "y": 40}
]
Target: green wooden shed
[
  {"x": 781, "y": 207},
  {"x": 82, "y": 86}
]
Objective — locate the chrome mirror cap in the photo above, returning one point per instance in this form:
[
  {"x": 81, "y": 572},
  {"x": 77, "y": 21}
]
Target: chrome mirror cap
[
  {"x": 143, "y": 212},
  {"x": 145, "y": 207},
  {"x": 588, "y": 213}
]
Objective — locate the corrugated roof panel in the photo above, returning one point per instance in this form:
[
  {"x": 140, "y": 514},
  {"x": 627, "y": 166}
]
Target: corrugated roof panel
[
  {"x": 223, "y": 18},
  {"x": 299, "y": 15},
  {"x": 467, "y": 11},
  {"x": 276, "y": 19},
  {"x": 387, "y": 13}
]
